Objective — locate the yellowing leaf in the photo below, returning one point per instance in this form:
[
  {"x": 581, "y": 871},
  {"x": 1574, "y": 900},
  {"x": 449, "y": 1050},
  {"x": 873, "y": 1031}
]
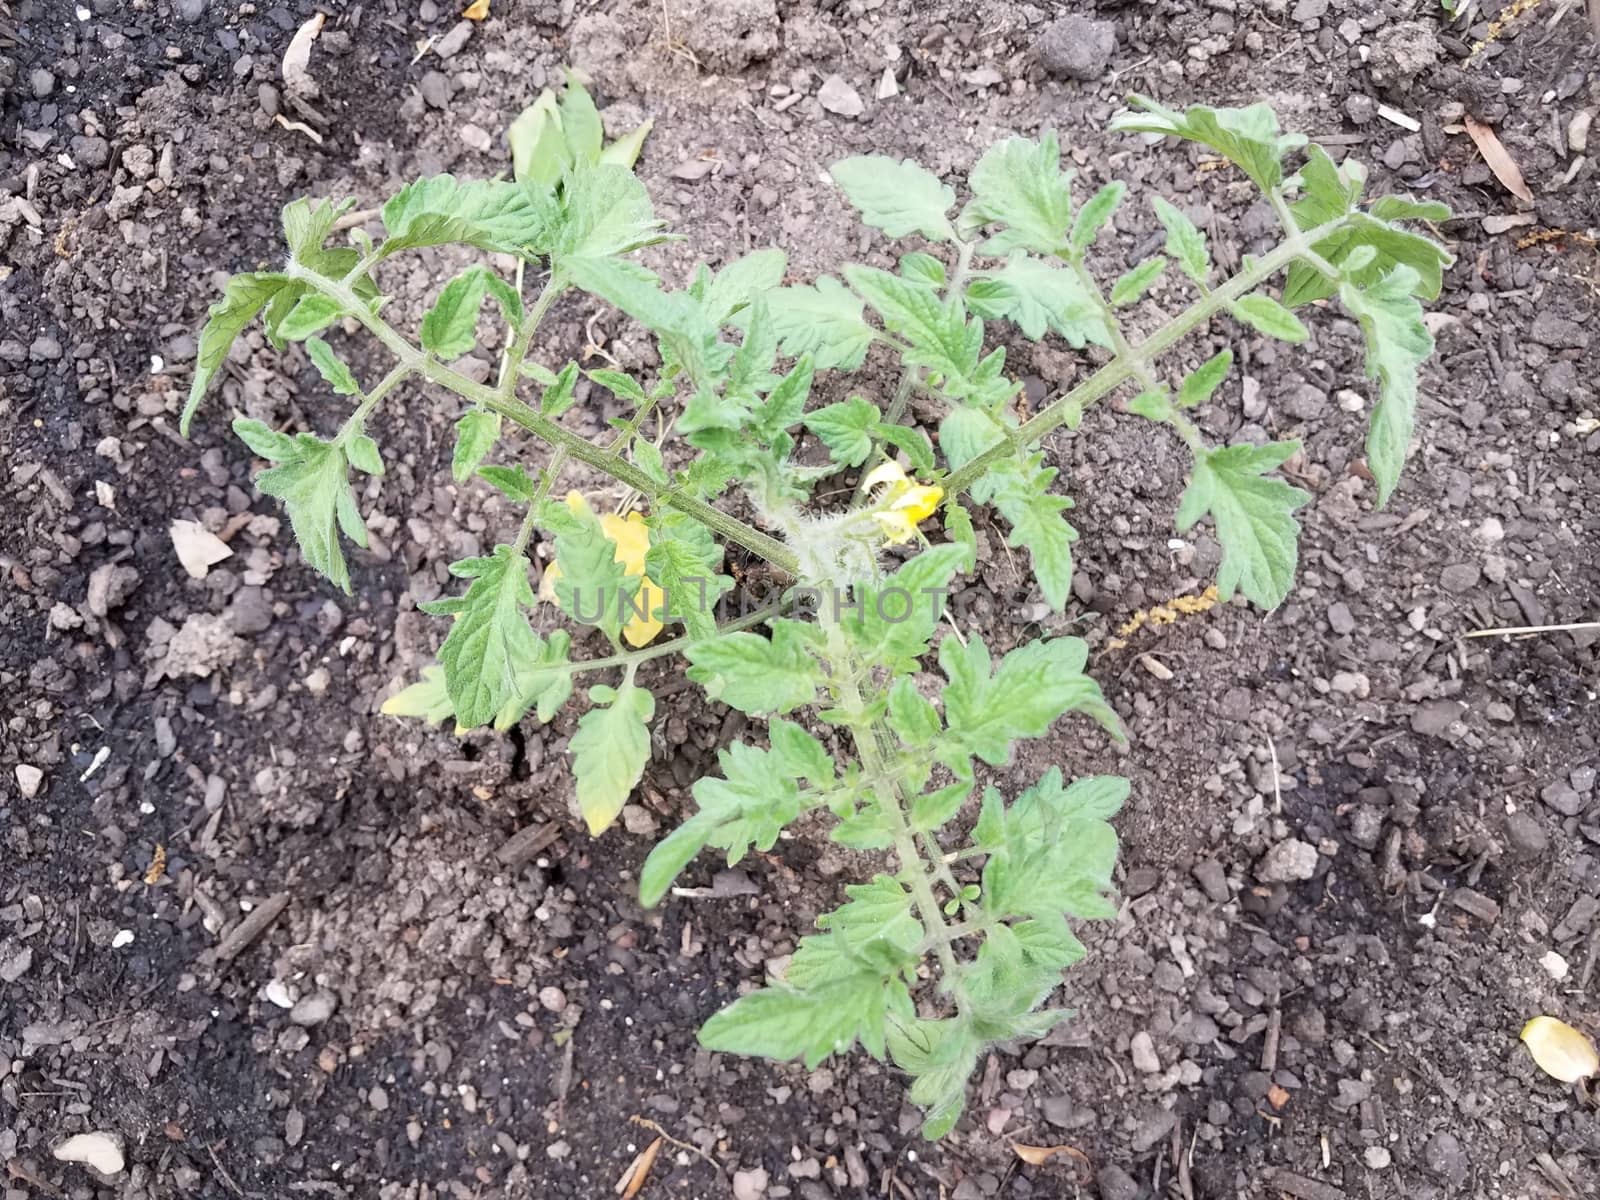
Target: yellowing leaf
[
  {"x": 476, "y": 11},
  {"x": 1037, "y": 1155},
  {"x": 1561, "y": 1051}
]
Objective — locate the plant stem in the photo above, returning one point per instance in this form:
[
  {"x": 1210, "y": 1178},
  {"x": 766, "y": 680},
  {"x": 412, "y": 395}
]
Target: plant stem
[
  {"x": 728, "y": 527},
  {"x": 626, "y": 658},
  {"x": 511, "y": 366},
  {"x": 1310, "y": 257},
  {"x": 357, "y": 420},
  {"x": 1120, "y": 369}
]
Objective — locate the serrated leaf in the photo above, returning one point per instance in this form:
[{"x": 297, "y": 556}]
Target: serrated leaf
[
  {"x": 428, "y": 699},
  {"x": 899, "y": 198},
  {"x": 647, "y": 457},
  {"x": 912, "y": 442},
  {"x": 1205, "y": 379},
  {"x": 1398, "y": 343},
  {"x": 312, "y": 313},
  {"x": 966, "y": 433},
  {"x": 1265, "y": 315},
  {"x": 312, "y": 481},
  {"x": 940, "y": 1056},
  {"x": 242, "y": 298},
  {"x": 1185, "y": 243},
  {"x": 1132, "y": 284},
  {"x": 786, "y": 402},
  {"x": 1019, "y": 184},
  {"x": 890, "y": 622},
  {"x": 1404, "y": 208},
  {"x": 1019, "y": 488},
  {"x": 331, "y": 367},
  {"x": 845, "y": 429},
  {"x": 1095, "y": 213},
  {"x": 1247, "y": 137},
  {"x": 491, "y": 645},
  {"x": 619, "y": 384},
  {"x": 1153, "y": 406},
  {"x": 1049, "y": 854},
  {"x": 940, "y": 336},
  {"x": 741, "y": 281},
  {"x": 1038, "y": 296},
  {"x": 609, "y": 752},
  {"x": 558, "y": 396},
  {"x": 823, "y": 320},
  {"x": 987, "y": 706},
  {"x": 875, "y": 911},
  {"x": 476, "y": 433},
  {"x": 756, "y": 674},
  {"x": 676, "y": 318},
  {"x": 686, "y": 564},
  {"x": 580, "y": 122},
  {"x": 512, "y": 482},
  {"x": 449, "y": 327},
  {"x": 958, "y": 524},
  {"x": 796, "y": 753},
  {"x": 592, "y": 586},
  {"x": 486, "y": 213},
  {"x": 264, "y": 441},
  {"x": 306, "y": 225},
  {"x": 912, "y": 716},
  {"x": 1254, "y": 517},
  {"x": 809, "y": 1024},
  {"x": 605, "y": 211},
  {"x": 1382, "y": 246}
]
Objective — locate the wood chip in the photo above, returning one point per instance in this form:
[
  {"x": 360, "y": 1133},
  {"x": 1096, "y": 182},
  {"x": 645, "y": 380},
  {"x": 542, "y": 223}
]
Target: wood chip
[
  {"x": 1395, "y": 117},
  {"x": 1303, "y": 1188},
  {"x": 1476, "y": 903},
  {"x": 638, "y": 1171},
  {"x": 1499, "y": 159},
  {"x": 252, "y": 927},
  {"x": 1038, "y": 1155},
  {"x": 1505, "y": 222},
  {"x": 1156, "y": 667},
  {"x": 525, "y": 843}
]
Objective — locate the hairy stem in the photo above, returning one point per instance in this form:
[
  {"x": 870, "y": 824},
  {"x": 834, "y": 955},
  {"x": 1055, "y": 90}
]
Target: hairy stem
[
  {"x": 728, "y": 527},
  {"x": 1121, "y": 369},
  {"x": 357, "y": 420}
]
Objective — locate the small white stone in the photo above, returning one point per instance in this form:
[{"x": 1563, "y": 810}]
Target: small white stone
[
  {"x": 123, "y": 937},
  {"x": 1377, "y": 1157},
  {"x": 277, "y": 992},
  {"x": 30, "y": 779},
  {"x": 1555, "y": 965},
  {"x": 102, "y": 1151}
]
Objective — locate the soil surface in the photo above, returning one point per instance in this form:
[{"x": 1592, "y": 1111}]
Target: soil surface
[{"x": 279, "y": 945}]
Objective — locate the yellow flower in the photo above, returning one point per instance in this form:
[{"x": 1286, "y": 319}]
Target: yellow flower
[
  {"x": 631, "y": 538},
  {"x": 903, "y": 503}
]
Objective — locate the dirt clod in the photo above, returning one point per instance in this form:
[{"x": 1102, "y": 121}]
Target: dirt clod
[{"x": 1077, "y": 47}]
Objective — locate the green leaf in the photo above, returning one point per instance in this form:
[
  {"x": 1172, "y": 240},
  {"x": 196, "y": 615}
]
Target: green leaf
[
  {"x": 648, "y": 459},
  {"x": 427, "y": 699},
  {"x": 1050, "y": 853},
  {"x": 958, "y": 524},
  {"x": 505, "y": 296},
  {"x": 1019, "y": 488},
  {"x": 1205, "y": 379},
  {"x": 306, "y": 226},
  {"x": 490, "y": 645},
  {"x": 966, "y": 433},
  {"x": 845, "y": 429},
  {"x": 741, "y": 281},
  {"x": 912, "y": 715},
  {"x": 1254, "y": 516},
  {"x": 913, "y": 442},
  {"x": 512, "y": 482},
  {"x": 619, "y": 384},
  {"x": 1152, "y": 405},
  {"x": 809, "y": 1024},
  {"x": 331, "y": 367},
  {"x": 266, "y": 442},
  {"x": 685, "y": 561},
  {"x": 1130, "y": 285},
  {"x": 823, "y": 321},
  {"x": 242, "y": 298},
  {"x": 362, "y": 452},
  {"x": 312, "y": 313},
  {"x": 592, "y": 587},
  {"x": 899, "y": 198},
  {"x": 1037, "y": 296},
  {"x": 546, "y": 684},
  {"x": 676, "y": 318},
  {"x": 1404, "y": 208},
  {"x": 1247, "y": 137},
  {"x": 875, "y": 911},
  {"x": 624, "y": 152},
  {"x": 476, "y": 433},
  {"x": 918, "y": 267},
  {"x": 1265, "y": 315},
  {"x": 449, "y": 328},
  {"x": 796, "y": 753},
  {"x": 940, "y": 1056},
  {"x": 539, "y": 151},
  {"x": 610, "y": 750},
  {"x": 312, "y": 481},
  {"x": 785, "y": 403},
  {"x": 891, "y": 622},
  {"x": 580, "y": 122},
  {"x": 488, "y": 214},
  {"x": 1019, "y": 184},
  {"x": 1185, "y": 243},
  {"x": 756, "y": 674},
  {"x": 1032, "y": 686},
  {"x": 941, "y": 338},
  {"x": 1093, "y": 215},
  {"x": 558, "y": 397},
  {"x": 1398, "y": 343},
  {"x": 605, "y": 211}
]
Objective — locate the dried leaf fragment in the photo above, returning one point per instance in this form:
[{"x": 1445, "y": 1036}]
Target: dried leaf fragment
[
  {"x": 1499, "y": 159},
  {"x": 1038, "y": 1155},
  {"x": 297, "y": 58},
  {"x": 198, "y": 548},
  {"x": 1560, "y": 1051},
  {"x": 476, "y": 11},
  {"x": 638, "y": 1170}
]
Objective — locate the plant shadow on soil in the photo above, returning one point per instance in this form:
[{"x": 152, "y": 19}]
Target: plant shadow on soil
[{"x": 460, "y": 1026}]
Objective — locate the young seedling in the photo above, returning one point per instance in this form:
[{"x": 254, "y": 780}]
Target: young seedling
[{"x": 958, "y": 944}]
